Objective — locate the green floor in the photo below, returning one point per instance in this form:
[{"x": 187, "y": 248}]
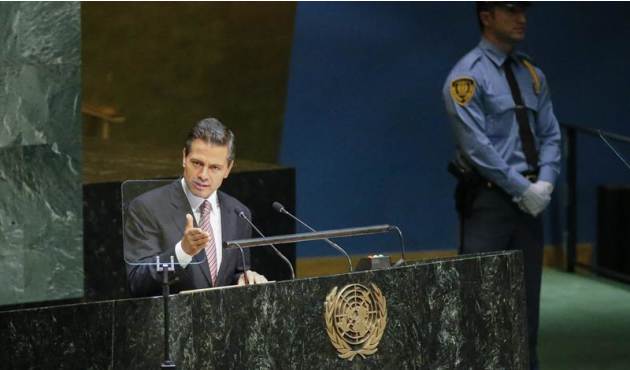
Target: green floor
[{"x": 584, "y": 322}]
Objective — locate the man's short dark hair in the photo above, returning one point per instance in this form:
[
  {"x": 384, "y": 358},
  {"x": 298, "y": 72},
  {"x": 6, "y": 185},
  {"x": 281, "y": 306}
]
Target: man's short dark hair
[
  {"x": 211, "y": 131},
  {"x": 481, "y": 6}
]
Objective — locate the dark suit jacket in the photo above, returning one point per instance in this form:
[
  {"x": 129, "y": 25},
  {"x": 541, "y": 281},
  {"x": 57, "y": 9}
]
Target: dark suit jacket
[{"x": 155, "y": 223}]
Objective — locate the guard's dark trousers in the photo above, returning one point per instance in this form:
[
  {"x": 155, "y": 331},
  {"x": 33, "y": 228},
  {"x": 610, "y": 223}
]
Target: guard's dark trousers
[{"x": 496, "y": 223}]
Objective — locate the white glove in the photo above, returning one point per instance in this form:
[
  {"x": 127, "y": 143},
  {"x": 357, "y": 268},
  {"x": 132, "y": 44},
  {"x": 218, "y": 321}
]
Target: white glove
[
  {"x": 536, "y": 198},
  {"x": 544, "y": 186}
]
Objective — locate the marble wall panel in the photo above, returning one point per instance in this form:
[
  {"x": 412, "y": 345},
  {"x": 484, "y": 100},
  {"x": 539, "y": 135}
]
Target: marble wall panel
[
  {"x": 63, "y": 337},
  {"x": 40, "y": 224},
  {"x": 40, "y": 60},
  {"x": 139, "y": 335},
  {"x": 40, "y": 152}
]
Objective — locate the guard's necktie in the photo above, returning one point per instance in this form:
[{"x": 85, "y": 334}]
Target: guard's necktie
[
  {"x": 527, "y": 139},
  {"x": 210, "y": 248}
]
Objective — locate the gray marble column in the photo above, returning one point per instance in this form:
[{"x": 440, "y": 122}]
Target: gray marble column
[{"x": 41, "y": 247}]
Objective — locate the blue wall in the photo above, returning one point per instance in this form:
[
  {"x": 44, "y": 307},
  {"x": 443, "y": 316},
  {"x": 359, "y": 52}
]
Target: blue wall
[{"x": 365, "y": 124}]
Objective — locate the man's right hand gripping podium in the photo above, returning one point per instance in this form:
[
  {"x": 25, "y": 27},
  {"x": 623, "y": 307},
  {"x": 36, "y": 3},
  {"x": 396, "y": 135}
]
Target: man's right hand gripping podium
[{"x": 187, "y": 221}]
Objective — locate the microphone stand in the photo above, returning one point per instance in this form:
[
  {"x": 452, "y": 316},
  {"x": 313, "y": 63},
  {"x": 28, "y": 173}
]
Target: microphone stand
[
  {"x": 164, "y": 268},
  {"x": 280, "y": 208},
  {"x": 402, "y": 259},
  {"x": 328, "y": 241},
  {"x": 245, "y": 278},
  {"x": 285, "y": 259}
]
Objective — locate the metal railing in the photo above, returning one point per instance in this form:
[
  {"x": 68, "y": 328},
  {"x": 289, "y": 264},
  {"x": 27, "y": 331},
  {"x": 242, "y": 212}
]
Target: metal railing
[{"x": 570, "y": 153}]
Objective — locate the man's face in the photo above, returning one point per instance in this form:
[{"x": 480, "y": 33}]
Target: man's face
[
  {"x": 507, "y": 24},
  {"x": 205, "y": 167}
]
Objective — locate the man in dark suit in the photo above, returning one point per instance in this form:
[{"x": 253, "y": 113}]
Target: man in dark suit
[{"x": 188, "y": 219}]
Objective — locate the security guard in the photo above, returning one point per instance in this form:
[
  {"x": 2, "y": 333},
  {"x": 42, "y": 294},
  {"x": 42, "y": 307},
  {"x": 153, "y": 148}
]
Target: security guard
[{"x": 508, "y": 147}]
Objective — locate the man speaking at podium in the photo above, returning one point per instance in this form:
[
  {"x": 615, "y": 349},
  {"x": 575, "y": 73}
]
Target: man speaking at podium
[{"x": 189, "y": 219}]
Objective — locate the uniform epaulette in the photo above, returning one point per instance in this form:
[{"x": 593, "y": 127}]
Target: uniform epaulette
[
  {"x": 529, "y": 64},
  {"x": 522, "y": 56}
]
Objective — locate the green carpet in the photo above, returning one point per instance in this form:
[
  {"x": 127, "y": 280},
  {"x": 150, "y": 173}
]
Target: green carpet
[{"x": 584, "y": 323}]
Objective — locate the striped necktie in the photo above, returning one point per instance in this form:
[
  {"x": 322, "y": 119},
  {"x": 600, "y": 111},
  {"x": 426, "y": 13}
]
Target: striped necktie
[{"x": 210, "y": 248}]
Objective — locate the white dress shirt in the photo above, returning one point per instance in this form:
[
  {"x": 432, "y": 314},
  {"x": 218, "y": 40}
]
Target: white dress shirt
[{"x": 215, "y": 222}]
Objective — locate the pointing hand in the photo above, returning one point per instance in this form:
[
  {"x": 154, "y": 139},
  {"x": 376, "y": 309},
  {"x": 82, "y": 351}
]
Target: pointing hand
[{"x": 194, "y": 238}]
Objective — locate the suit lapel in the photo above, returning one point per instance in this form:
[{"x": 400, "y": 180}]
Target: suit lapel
[
  {"x": 181, "y": 207},
  {"x": 228, "y": 229}
]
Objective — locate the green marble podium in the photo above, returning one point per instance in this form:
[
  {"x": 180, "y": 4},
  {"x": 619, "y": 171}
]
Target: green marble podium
[{"x": 464, "y": 312}]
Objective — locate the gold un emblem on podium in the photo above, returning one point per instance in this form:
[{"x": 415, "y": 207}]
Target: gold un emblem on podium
[{"x": 355, "y": 318}]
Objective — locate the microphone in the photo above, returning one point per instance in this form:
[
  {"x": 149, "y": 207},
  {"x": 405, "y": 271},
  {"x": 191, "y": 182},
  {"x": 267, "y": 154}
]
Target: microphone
[
  {"x": 241, "y": 214},
  {"x": 280, "y": 209}
]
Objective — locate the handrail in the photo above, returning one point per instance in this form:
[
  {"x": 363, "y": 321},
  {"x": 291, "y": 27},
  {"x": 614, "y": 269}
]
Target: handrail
[
  {"x": 596, "y": 132},
  {"x": 570, "y": 154}
]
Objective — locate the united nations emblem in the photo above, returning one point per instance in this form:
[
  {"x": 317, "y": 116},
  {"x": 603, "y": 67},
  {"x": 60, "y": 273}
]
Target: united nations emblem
[
  {"x": 355, "y": 318},
  {"x": 462, "y": 90}
]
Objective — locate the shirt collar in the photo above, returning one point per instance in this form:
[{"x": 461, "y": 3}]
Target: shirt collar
[
  {"x": 493, "y": 53},
  {"x": 196, "y": 201}
]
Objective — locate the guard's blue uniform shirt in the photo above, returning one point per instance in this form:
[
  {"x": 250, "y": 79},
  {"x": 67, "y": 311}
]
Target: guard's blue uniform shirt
[{"x": 485, "y": 127}]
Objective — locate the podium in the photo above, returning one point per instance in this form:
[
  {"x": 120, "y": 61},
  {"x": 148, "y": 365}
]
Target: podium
[{"x": 460, "y": 312}]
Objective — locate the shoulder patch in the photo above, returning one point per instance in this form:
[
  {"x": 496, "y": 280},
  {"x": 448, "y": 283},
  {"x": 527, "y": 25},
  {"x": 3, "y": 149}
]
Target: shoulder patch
[
  {"x": 462, "y": 90},
  {"x": 532, "y": 71}
]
